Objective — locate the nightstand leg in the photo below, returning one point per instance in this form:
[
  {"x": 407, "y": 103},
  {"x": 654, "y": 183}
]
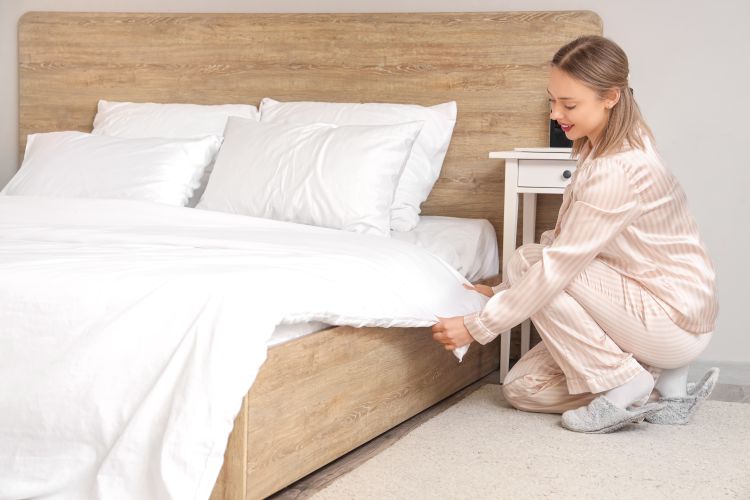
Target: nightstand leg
[
  {"x": 529, "y": 228},
  {"x": 532, "y": 185},
  {"x": 504, "y": 355},
  {"x": 510, "y": 220}
]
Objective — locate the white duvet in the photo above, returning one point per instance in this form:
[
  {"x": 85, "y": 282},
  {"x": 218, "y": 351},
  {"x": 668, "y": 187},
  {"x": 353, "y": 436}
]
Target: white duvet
[{"x": 129, "y": 333}]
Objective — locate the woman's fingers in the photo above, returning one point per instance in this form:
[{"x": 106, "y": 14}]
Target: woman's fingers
[
  {"x": 444, "y": 341},
  {"x": 484, "y": 290},
  {"x": 444, "y": 332},
  {"x": 441, "y": 337}
]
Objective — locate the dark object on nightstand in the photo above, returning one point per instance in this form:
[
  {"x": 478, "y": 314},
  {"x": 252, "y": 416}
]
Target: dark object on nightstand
[{"x": 557, "y": 137}]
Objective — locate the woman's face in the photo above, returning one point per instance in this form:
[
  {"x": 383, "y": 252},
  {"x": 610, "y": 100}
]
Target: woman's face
[{"x": 577, "y": 108}]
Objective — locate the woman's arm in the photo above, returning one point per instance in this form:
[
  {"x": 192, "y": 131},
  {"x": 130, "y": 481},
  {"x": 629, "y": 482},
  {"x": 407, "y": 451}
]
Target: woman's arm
[
  {"x": 547, "y": 237},
  {"x": 605, "y": 204}
]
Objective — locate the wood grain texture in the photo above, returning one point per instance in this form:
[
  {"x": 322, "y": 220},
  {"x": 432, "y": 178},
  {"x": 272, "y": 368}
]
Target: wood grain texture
[
  {"x": 327, "y": 393},
  {"x": 493, "y": 64},
  {"x": 321, "y": 478},
  {"x": 232, "y": 481},
  {"x": 320, "y": 396}
]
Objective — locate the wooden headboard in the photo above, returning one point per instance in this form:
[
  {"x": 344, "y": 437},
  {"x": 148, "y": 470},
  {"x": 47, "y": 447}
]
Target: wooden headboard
[{"x": 493, "y": 64}]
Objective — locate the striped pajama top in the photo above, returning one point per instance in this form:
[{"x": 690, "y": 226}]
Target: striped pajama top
[{"x": 629, "y": 211}]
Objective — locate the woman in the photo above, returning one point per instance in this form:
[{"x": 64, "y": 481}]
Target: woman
[{"x": 622, "y": 291}]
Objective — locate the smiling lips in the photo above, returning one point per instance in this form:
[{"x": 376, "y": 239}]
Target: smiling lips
[{"x": 565, "y": 128}]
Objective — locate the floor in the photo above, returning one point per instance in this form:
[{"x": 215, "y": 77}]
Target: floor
[{"x": 314, "y": 482}]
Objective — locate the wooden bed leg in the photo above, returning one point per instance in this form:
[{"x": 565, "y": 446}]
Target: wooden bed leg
[{"x": 232, "y": 481}]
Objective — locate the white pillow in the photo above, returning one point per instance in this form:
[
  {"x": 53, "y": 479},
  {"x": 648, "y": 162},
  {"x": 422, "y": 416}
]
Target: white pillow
[
  {"x": 80, "y": 165},
  {"x": 319, "y": 174},
  {"x": 425, "y": 162},
  {"x": 179, "y": 121}
]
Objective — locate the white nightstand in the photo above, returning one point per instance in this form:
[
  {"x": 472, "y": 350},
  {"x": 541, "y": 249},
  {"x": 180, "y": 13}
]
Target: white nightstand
[{"x": 545, "y": 170}]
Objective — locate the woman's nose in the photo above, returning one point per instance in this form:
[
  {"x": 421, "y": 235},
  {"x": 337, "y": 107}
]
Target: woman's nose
[{"x": 554, "y": 114}]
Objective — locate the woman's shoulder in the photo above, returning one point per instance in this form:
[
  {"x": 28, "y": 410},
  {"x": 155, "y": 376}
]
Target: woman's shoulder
[
  {"x": 612, "y": 162},
  {"x": 641, "y": 167},
  {"x": 602, "y": 176},
  {"x": 629, "y": 157}
]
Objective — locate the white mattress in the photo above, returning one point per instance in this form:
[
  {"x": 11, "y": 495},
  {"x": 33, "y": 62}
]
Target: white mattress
[{"x": 468, "y": 245}]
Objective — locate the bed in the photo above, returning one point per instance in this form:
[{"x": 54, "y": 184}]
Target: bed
[
  {"x": 320, "y": 395},
  {"x": 468, "y": 245}
]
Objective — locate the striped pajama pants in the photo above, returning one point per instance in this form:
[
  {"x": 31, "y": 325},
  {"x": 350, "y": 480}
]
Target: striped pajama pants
[{"x": 597, "y": 334}]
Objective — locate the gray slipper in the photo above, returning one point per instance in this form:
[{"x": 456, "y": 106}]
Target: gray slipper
[
  {"x": 602, "y": 416},
  {"x": 677, "y": 411}
]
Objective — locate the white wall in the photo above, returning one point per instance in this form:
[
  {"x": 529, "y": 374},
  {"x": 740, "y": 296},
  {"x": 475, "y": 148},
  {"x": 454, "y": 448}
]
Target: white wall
[{"x": 689, "y": 69}]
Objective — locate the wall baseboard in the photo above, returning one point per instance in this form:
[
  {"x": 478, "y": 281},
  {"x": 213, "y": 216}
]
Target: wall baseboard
[{"x": 731, "y": 372}]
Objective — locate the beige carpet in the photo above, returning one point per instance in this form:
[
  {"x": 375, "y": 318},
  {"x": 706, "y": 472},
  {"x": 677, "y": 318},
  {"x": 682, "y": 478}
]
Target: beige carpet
[{"x": 483, "y": 448}]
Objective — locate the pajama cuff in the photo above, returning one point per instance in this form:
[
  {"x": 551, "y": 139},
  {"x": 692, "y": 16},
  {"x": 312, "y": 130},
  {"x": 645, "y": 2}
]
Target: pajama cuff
[
  {"x": 500, "y": 287},
  {"x": 477, "y": 329},
  {"x": 611, "y": 379}
]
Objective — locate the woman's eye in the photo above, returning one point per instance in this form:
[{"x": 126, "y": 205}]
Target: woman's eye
[{"x": 552, "y": 101}]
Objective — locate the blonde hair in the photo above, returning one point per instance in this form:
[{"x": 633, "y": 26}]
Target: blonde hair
[{"x": 601, "y": 65}]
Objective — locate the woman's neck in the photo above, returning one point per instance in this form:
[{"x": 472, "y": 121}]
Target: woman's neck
[{"x": 594, "y": 138}]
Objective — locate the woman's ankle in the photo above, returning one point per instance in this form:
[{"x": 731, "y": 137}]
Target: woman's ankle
[
  {"x": 672, "y": 383},
  {"x": 633, "y": 391}
]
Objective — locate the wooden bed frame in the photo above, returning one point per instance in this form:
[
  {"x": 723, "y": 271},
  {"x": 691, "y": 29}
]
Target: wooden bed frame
[{"x": 322, "y": 395}]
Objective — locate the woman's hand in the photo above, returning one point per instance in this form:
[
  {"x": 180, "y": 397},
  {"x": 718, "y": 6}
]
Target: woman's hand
[
  {"x": 451, "y": 333},
  {"x": 483, "y": 289}
]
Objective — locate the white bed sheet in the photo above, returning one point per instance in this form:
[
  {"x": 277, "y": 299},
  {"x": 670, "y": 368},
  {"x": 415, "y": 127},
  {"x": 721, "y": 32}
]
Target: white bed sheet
[
  {"x": 467, "y": 245},
  {"x": 132, "y": 331}
]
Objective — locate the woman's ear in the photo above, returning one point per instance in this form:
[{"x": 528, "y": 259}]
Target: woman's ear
[{"x": 611, "y": 98}]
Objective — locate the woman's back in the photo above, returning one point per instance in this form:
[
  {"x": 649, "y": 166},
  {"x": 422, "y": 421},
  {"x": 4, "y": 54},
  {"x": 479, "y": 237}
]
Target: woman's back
[{"x": 662, "y": 248}]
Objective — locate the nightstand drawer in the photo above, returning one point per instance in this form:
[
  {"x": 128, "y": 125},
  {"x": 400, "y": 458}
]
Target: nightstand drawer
[{"x": 545, "y": 173}]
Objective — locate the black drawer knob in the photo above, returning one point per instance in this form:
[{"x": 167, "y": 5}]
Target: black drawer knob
[{"x": 567, "y": 174}]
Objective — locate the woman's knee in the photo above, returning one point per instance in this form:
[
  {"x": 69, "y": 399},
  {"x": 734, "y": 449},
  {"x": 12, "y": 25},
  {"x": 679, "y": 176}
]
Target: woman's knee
[
  {"x": 522, "y": 259},
  {"x": 514, "y": 395},
  {"x": 521, "y": 393}
]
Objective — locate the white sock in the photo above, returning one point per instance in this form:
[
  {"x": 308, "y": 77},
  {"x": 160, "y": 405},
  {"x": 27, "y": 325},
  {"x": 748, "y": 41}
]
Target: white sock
[
  {"x": 636, "y": 389},
  {"x": 673, "y": 383}
]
